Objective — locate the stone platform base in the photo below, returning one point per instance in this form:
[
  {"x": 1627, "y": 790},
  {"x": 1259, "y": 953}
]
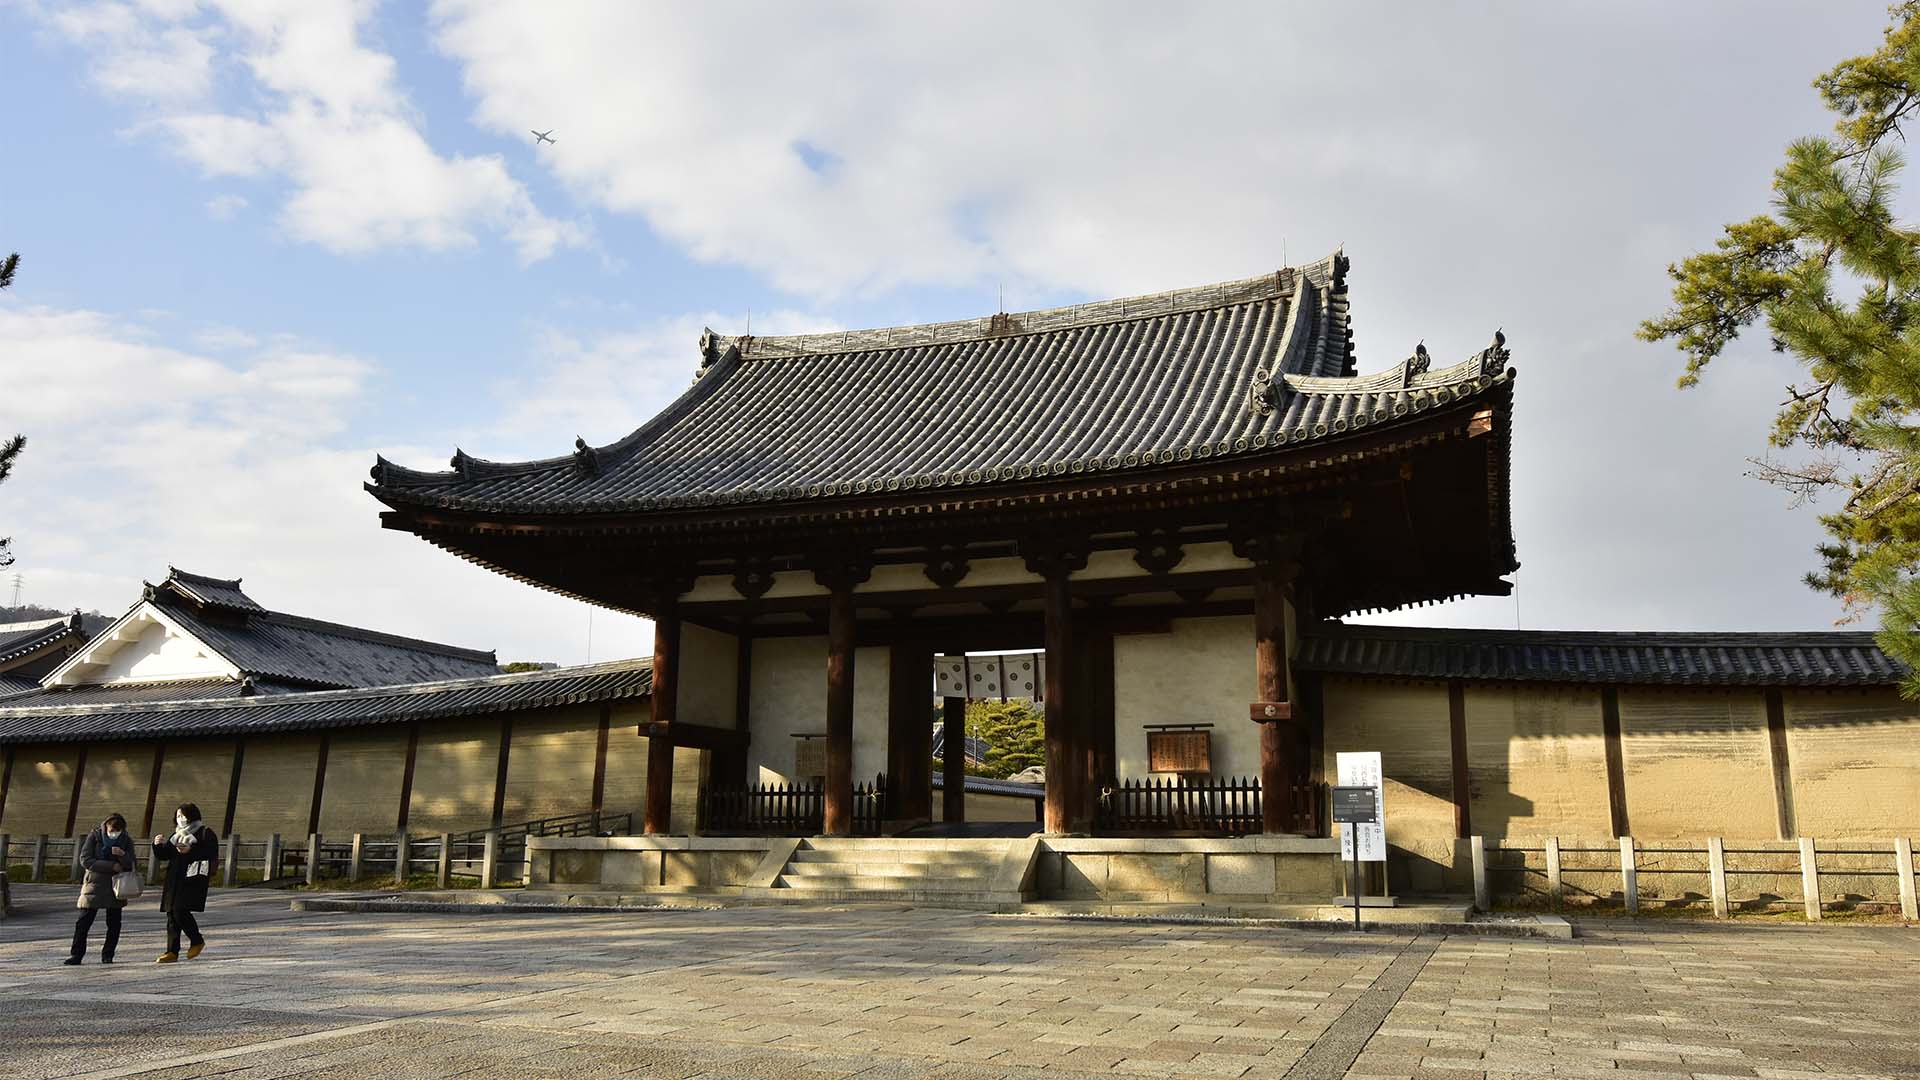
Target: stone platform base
[
  {"x": 1413, "y": 918},
  {"x": 980, "y": 873}
]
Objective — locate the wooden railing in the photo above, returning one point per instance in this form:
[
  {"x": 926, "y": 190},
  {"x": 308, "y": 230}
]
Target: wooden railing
[
  {"x": 788, "y": 809},
  {"x": 1226, "y": 806}
]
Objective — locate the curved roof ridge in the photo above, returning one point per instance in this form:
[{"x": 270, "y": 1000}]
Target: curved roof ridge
[
  {"x": 1323, "y": 273},
  {"x": 350, "y": 693}
]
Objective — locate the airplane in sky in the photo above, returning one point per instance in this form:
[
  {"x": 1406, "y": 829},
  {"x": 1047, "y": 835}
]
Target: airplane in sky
[{"x": 543, "y": 136}]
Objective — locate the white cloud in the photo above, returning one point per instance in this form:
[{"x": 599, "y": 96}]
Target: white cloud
[
  {"x": 325, "y": 112},
  {"x": 141, "y": 454},
  {"x": 847, "y": 148},
  {"x": 602, "y": 387},
  {"x": 224, "y": 207}
]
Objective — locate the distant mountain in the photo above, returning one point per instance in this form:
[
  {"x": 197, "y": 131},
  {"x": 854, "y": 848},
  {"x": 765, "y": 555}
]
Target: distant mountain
[{"x": 91, "y": 621}]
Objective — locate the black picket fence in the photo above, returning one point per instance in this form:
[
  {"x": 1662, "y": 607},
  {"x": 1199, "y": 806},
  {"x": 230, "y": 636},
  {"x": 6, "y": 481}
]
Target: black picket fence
[
  {"x": 788, "y": 809},
  {"x": 1228, "y": 806}
]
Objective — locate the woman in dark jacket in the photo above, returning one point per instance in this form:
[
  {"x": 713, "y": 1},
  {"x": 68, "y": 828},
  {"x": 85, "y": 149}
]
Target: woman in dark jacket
[
  {"x": 189, "y": 854},
  {"x": 106, "y": 851}
]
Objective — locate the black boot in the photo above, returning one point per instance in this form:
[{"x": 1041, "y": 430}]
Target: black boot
[{"x": 71, "y": 961}]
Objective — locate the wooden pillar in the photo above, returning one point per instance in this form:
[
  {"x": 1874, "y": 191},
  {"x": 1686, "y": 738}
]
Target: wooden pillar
[
  {"x": 953, "y": 770},
  {"x": 910, "y": 732},
  {"x": 1616, "y": 761},
  {"x": 735, "y": 763},
  {"x": 658, "y": 816},
  {"x": 1068, "y": 809},
  {"x": 500, "y": 770},
  {"x": 1782, "y": 766},
  {"x": 600, "y": 740},
  {"x": 1270, "y": 683},
  {"x": 233, "y": 784},
  {"x": 1103, "y": 757},
  {"x": 1457, "y": 730},
  {"x": 153, "y": 789},
  {"x": 319, "y": 786},
  {"x": 79, "y": 773},
  {"x": 6, "y": 781},
  {"x": 406, "y": 778},
  {"x": 838, "y": 818}
]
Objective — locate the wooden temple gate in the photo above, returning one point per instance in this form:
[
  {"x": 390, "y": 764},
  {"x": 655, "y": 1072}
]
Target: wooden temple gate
[{"x": 867, "y": 473}]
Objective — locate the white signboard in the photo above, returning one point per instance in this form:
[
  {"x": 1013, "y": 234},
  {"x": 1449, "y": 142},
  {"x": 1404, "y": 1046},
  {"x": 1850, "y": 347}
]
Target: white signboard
[{"x": 1363, "y": 770}]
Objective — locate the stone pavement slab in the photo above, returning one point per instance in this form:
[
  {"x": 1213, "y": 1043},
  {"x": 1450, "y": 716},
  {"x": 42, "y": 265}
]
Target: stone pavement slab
[{"x": 945, "y": 995}]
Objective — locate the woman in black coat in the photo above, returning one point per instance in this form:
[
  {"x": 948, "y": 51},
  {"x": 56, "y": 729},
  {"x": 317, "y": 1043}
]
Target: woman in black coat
[
  {"x": 106, "y": 851},
  {"x": 189, "y": 854}
]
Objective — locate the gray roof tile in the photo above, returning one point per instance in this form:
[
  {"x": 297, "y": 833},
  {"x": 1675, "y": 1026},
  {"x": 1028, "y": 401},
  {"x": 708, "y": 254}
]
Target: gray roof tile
[
  {"x": 1818, "y": 658},
  {"x": 1240, "y": 368},
  {"x": 34, "y": 721}
]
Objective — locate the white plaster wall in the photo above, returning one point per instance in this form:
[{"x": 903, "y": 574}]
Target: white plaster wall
[
  {"x": 1201, "y": 671},
  {"x": 709, "y": 663},
  {"x": 789, "y": 696},
  {"x": 158, "y": 654}
]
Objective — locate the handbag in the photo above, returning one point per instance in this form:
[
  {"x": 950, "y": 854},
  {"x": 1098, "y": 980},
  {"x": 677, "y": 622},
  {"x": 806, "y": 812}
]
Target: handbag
[{"x": 129, "y": 884}]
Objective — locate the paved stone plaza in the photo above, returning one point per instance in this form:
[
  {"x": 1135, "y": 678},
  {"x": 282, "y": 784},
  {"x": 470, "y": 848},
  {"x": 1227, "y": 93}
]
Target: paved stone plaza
[{"x": 885, "y": 993}]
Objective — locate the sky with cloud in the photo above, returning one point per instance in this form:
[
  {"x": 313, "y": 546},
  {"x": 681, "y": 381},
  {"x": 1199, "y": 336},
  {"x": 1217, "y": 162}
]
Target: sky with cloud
[{"x": 263, "y": 241}]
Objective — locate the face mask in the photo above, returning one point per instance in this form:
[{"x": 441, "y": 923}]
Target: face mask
[{"x": 113, "y": 834}]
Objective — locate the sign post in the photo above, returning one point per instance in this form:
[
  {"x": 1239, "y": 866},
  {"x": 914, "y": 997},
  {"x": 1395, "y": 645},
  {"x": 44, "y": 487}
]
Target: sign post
[{"x": 1354, "y": 806}]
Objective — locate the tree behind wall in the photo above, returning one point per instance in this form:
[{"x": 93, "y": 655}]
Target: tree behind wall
[
  {"x": 1836, "y": 281},
  {"x": 10, "y": 448},
  {"x": 1014, "y": 733}
]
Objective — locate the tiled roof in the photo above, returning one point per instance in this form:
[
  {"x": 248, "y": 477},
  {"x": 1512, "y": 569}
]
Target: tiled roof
[
  {"x": 20, "y": 638},
  {"x": 1241, "y": 368},
  {"x": 11, "y": 685},
  {"x": 1680, "y": 659},
  {"x": 273, "y": 645},
  {"x": 987, "y": 785},
  {"x": 620, "y": 680},
  {"x": 178, "y": 690},
  {"x": 215, "y": 592}
]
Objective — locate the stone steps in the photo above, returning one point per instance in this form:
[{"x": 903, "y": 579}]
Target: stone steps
[{"x": 931, "y": 872}]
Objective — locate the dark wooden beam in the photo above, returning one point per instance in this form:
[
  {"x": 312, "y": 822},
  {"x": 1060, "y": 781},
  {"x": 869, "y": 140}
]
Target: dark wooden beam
[
  {"x": 600, "y": 738},
  {"x": 1616, "y": 761},
  {"x": 79, "y": 773},
  {"x": 702, "y": 737},
  {"x": 6, "y": 781},
  {"x": 838, "y": 815},
  {"x": 406, "y": 778},
  {"x": 1457, "y": 737},
  {"x": 1786, "y": 820},
  {"x": 657, "y": 818},
  {"x": 320, "y": 785},
  {"x": 153, "y": 788},
  {"x": 500, "y": 771},
  {"x": 953, "y": 765},
  {"x": 1068, "y": 807},
  {"x": 910, "y": 732},
  {"x": 233, "y": 785}
]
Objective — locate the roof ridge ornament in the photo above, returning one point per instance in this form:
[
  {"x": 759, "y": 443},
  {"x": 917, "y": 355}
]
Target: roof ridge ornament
[
  {"x": 586, "y": 460},
  {"x": 1416, "y": 365},
  {"x": 1493, "y": 358}
]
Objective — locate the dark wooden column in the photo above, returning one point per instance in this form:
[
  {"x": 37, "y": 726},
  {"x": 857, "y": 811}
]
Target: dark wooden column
[
  {"x": 657, "y": 817},
  {"x": 839, "y": 576},
  {"x": 1067, "y": 806},
  {"x": 79, "y": 776},
  {"x": 1616, "y": 761},
  {"x": 153, "y": 789},
  {"x": 953, "y": 776},
  {"x": 1275, "y": 562},
  {"x": 910, "y": 731},
  {"x": 1462, "y": 772}
]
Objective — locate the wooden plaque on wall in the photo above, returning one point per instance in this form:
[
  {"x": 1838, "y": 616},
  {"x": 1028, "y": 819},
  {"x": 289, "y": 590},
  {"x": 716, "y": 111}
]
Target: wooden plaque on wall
[
  {"x": 809, "y": 759},
  {"x": 1179, "y": 751}
]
